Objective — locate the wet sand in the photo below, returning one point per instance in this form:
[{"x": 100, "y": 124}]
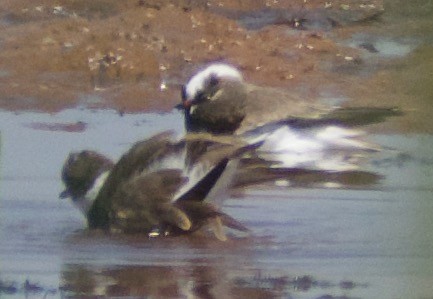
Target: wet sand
[
  {"x": 67, "y": 68},
  {"x": 133, "y": 56}
]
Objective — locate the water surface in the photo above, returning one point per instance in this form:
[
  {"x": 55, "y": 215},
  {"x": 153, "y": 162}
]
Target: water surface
[
  {"x": 374, "y": 242},
  {"x": 370, "y": 242}
]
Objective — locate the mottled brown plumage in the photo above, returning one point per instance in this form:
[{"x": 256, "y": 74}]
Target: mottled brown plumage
[
  {"x": 301, "y": 137},
  {"x": 160, "y": 184}
]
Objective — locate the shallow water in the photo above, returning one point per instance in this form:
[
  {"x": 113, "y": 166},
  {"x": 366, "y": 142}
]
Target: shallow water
[
  {"x": 369, "y": 242},
  {"x": 375, "y": 242}
]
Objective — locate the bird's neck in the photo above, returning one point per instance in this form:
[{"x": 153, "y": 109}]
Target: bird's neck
[{"x": 85, "y": 202}]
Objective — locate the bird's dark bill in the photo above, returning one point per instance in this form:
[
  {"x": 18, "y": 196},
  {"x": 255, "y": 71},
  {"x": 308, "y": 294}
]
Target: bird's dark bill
[{"x": 180, "y": 106}]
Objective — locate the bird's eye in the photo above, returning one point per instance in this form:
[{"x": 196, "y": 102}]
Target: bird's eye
[{"x": 213, "y": 80}]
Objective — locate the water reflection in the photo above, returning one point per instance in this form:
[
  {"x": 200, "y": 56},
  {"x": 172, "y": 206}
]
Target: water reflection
[
  {"x": 189, "y": 281},
  {"x": 359, "y": 239},
  {"x": 369, "y": 238}
]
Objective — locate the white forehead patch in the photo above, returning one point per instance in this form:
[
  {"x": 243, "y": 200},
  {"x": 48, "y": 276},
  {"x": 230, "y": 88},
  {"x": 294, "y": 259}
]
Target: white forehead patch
[{"x": 220, "y": 70}]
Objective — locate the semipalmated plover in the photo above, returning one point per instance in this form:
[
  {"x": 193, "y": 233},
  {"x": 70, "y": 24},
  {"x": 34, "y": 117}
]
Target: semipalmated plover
[
  {"x": 160, "y": 186},
  {"x": 296, "y": 133}
]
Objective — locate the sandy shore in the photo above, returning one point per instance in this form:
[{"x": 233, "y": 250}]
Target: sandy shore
[
  {"x": 134, "y": 55},
  {"x": 372, "y": 240}
]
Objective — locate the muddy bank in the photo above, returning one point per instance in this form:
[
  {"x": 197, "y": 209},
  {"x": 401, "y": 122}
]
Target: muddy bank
[
  {"x": 133, "y": 55},
  {"x": 364, "y": 235}
]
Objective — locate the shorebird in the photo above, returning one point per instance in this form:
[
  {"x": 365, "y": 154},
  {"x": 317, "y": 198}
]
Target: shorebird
[
  {"x": 295, "y": 133},
  {"x": 161, "y": 186}
]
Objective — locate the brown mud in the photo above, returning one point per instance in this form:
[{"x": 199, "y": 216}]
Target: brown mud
[
  {"x": 134, "y": 55},
  {"x": 366, "y": 235},
  {"x": 53, "y": 52}
]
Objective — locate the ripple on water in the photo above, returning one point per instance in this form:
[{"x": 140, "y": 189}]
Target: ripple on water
[{"x": 304, "y": 242}]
